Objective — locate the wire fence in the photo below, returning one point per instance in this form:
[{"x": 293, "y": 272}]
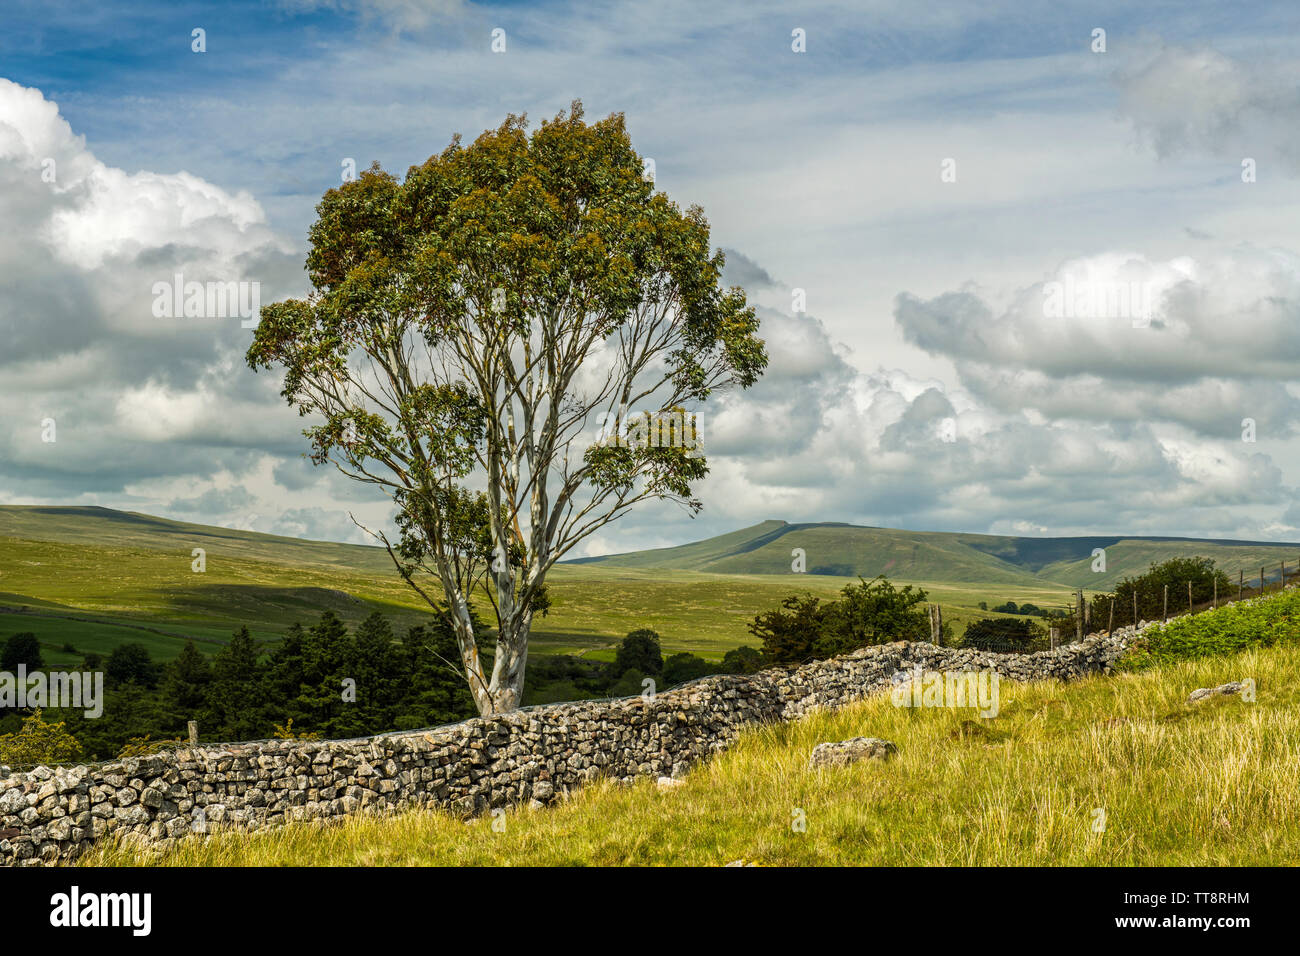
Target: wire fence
[{"x": 1046, "y": 627}]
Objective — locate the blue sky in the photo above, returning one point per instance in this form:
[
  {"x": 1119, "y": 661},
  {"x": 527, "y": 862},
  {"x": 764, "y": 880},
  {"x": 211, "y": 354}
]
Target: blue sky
[{"x": 818, "y": 170}]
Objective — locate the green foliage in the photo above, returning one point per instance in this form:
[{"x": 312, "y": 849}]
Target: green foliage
[
  {"x": 185, "y": 682},
  {"x": 640, "y": 649},
  {"x": 682, "y": 667},
  {"x": 1176, "y": 574},
  {"x": 21, "y": 649},
  {"x": 629, "y": 685},
  {"x": 510, "y": 261},
  {"x": 742, "y": 660},
  {"x": 287, "y": 732},
  {"x": 130, "y": 664},
  {"x": 1263, "y": 622},
  {"x": 144, "y": 746},
  {"x": 871, "y": 612},
  {"x": 39, "y": 742}
]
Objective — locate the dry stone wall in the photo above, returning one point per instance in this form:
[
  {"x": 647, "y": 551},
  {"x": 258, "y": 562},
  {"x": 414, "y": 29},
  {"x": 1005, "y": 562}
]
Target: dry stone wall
[{"x": 530, "y": 756}]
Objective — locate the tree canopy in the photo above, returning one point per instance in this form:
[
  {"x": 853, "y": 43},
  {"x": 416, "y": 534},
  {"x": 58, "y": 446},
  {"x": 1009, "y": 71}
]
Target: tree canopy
[{"x": 468, "y": 326}]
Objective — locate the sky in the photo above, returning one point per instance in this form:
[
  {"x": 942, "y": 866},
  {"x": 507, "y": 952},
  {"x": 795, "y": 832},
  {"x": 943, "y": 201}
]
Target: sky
[{"x": 953, "y": 190}]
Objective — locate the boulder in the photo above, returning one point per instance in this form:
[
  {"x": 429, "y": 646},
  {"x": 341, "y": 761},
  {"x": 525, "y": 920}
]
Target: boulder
[
  {"x": 1223, "y": 690},
  {"x": 844, "y": 752}
]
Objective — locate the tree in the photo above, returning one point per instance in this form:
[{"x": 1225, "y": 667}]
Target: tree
[
  {"x": 804, "y": 629},
  {"x": 466, "y": 326},
  {"x": 790, "y": 633},
  {"x": 235, "y": 695},
  {"x": 684, "y": 666},
  {"x": 640, "y": 649},
  {"x": 875, "y": 612},
  {"x": 436, "y": 693},
  {"x": 185, "y": 682},
  {"x": 131, "y": 664},
  {"x": 742, "y": 660},
  {"x": 21, "y": 649}
]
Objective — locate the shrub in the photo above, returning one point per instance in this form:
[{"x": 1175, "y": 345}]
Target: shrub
[
  {"x": 871, "y": 612},
  {"x": 39, "y": 743}
]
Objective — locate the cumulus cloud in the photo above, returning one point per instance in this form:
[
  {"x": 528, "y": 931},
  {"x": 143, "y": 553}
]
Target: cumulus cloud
[
  {"x": 143, "y": 410},
  {"x": 1214, "y": 344}
]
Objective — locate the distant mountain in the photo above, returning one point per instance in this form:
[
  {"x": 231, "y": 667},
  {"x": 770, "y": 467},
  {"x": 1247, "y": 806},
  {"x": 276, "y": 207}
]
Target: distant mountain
[{"x": 833, "y": 548}]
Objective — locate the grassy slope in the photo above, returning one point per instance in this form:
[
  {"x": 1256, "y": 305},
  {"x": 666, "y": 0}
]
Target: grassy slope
[
  {"x": 129, "y": 571},
  {"x": 952, "y": 557},
  {"x": 1212, "y": 784}
]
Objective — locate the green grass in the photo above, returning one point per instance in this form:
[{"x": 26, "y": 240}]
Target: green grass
[
  {"x": 129, "y": 571},
  {"x": 1207, "y": 785}
]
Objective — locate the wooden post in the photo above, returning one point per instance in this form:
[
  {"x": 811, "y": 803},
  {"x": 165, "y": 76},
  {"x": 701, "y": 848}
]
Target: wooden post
[
  {"x": 1053, "y": 636},
  {"x": 1189, "y": 597},
  {"x": 1166, "y": 602},
  {"x": 1261, "y": 580},
  {"x": 1282, "y": 585},
  {"x": 1078, "y": 618},
  {"x": 1241, "y": 583},
  {"x": 194, "y": 731},
  {"x": 1216, "y": 591},
  {"x": 938, "y": 625},
  {"x": 1135, "y": 607},
  {"x": 1110, "y": 627}
]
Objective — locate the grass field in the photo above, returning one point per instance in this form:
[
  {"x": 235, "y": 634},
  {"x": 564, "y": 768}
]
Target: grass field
[
  {"x": 1210, "y": 784},
  {"x": 94, "y": 578},
  {"x": 130, "y": 573}
]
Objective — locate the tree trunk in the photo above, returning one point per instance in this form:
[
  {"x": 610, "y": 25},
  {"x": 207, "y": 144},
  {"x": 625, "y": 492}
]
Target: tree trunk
[{"x": 506, "y": 691}]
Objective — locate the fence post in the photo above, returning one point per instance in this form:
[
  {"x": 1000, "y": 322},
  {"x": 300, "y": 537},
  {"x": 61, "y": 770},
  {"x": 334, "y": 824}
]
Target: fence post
[
  {"x": 1110, "y": 626},
  {"x": 1241, "y": 582},
  {"x": 194, "y": 731},
  {"x": 1216, "y": 591},
  {"x": 1135, "y": 608},
  {"x": 1078, "y": 618},
  {"x": 1261, "y": 580},
  {"x": 1282, "y": 585},
  {"x": 1189, "y": 597},
  {"x": 1053, "y": 635},
  {"x": 1166, "y": 602}
]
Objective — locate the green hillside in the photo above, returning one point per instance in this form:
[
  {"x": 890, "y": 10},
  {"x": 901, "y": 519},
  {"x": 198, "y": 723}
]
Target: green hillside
[
  {"x": 850, "y": 550},
  {"x": 93, "y": 578}
]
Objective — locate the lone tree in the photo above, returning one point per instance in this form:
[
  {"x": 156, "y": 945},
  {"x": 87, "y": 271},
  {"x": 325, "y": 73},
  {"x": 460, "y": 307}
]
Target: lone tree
[{"x": 469, "y": 328}]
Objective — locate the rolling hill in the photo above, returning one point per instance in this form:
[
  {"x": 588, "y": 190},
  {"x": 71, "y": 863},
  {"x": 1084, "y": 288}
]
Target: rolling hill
[
  {"x": 846, "y": 550},
  {"x": 92, "y": 578}
]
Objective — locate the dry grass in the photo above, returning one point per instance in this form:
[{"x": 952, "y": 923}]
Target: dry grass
[{"x": 1211, "y": 784}]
